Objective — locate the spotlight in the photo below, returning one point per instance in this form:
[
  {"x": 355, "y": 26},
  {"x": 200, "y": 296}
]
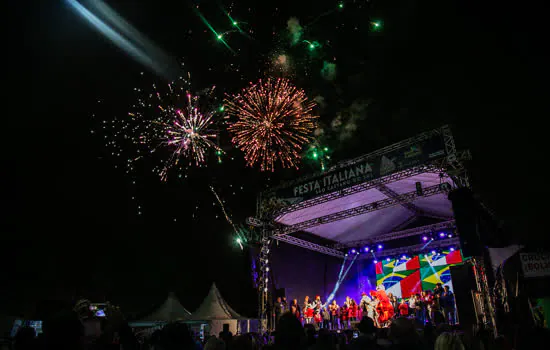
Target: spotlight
[
  {"x": 367, "y": 249},
  {"x": 452, "y": 249},
  {"x": 358, "y": 253},
  {"x": 425, "y": 238},
  {"x": 404, "y": 257},
  {"x": 433, "y": 252},
  {"x": 375, "y": 261},
  {"x": 442, "y": 234},
  {"x": 449, "y": 235},
  {"x": 353, "y": 251},
  {"x": 346, "y": 254},
  {"x": 380, "y": 247},
  {"x": 388, "y": 259}
]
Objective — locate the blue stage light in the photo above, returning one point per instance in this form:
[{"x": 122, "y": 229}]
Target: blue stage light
[
  {"x": 404, "y": 257},
  {"x": 442, "y": 234},
  {"x": 449, "y": 235},
  {"x": 433, "y": 252},
  {"x": 353, "y": 251},
  {"x": 380, "y": 247},
  {"x": 425, "y": 238},
  {"x": 375, "y": 261},
  {"x": 388, "y": 259},
  {"x": 367, "y": 249},
  {"x": 452, "y": 249}
]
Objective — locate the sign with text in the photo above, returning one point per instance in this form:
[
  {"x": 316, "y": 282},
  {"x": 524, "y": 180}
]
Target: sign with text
[
  {"x": 535, "y": 264},
  {"x": 375, "y": 167}
]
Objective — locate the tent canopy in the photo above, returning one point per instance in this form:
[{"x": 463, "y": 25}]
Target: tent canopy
[
  {"x": 214, "y": 307},
  {"x": 171, "y": 310}
]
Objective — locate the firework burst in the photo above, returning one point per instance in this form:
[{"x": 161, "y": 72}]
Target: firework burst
[
  {"x": 273, "y": 121},
  {"x": 174, "y": 125}
]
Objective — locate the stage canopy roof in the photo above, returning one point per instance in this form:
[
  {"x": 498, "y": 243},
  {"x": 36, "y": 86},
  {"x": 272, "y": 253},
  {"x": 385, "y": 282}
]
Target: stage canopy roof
[
  {"x": 377, "y": 221},
  {"x": 214, "y": 307},
  {"x": 373, "y": 196}
]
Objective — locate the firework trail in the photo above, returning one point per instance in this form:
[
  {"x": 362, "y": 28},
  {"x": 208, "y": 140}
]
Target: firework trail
[
  {"x": 223, "y": 210},
  {"x": 273, "y": 121}
]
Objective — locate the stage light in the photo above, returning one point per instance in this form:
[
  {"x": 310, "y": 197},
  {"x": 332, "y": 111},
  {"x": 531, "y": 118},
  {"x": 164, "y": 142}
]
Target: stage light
[
  {"x": 265, "y": 289},
  {"x": 266, "y": 280},
  {"x": 380, "y": 247},
  {"x": 425, "y": 238},
  {"x": 358, "y": 253},
  {"x": 449, "y": 235},
  {"x": 238, "y": 240},
  {"x": 267, "y": 269},
  {"x": 388, "y": 259},
  {"x": 441, "y": 234},
  {"x": 433, "y": 252},
  {"x": 404, "y": 257},
  {"x": 452, "y": 249},
  {"x": 375, "y": 261},
  {"x": 367, "y": 249},
  {"x": 353, "y": 251},
  {"x": 266, "y": 261},
  {"x": 346, "y": 254}
]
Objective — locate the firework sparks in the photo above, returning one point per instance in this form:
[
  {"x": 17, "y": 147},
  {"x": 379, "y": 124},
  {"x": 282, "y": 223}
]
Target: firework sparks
[
  {"x": 172, "y": 124},
  {"x": 273, "y": 121}
]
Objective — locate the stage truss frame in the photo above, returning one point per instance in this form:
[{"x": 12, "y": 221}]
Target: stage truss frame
[{"x": 451, "y": 166}]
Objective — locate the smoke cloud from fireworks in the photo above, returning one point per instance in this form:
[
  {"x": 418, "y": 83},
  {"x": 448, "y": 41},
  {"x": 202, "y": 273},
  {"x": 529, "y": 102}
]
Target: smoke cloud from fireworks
[{"x": 295, "y": 29}]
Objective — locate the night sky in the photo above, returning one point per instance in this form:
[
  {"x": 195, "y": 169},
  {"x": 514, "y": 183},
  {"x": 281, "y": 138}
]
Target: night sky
[{"x": 70, "y": 225}]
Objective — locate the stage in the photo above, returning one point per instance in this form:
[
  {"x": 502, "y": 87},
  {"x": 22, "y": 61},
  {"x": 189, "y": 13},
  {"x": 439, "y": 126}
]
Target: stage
[{"x": 383, "y": 219}]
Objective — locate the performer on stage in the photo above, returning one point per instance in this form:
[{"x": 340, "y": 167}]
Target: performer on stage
[
  {"x": 366, "y": 306},
  {"x": 403, "y": 308},
  {"x": 344, "y": 316},
  {"x": 352, "y": 311},
  {"x": 333, "y": 309},
  {"x": 384, "y": 308},
  {"x": 295, "y": 308},
  {"x": 307, "y": 310},
  {"x": 317, "y": 308}
]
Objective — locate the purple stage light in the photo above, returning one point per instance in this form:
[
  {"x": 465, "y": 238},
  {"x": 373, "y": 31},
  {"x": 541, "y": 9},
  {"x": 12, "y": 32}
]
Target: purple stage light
[
  {"x": 353, "y": 251},
  {"x": 433, "y": 252},
  {"x": 375, "y": 261},
  {"x": 452, "y": 249},
  {"x": 388, "y": 259},
  {"x": 425, "y": 238},
  {"x": 404, "y": 257},
  {"x": 442, "y": 234},
  {"x": 380, "y": 246},
  {"x": 367, "y": 249},
  {"x": 449, "y": 235}
]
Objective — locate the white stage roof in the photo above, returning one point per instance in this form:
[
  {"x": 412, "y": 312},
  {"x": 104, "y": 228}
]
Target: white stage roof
[{"x": 379, "y": 221}]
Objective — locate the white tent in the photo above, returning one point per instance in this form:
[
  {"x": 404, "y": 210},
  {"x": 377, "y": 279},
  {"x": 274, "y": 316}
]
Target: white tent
[
  {"x": 217, "y": 312},
  {"x": 170, "y": 311}
]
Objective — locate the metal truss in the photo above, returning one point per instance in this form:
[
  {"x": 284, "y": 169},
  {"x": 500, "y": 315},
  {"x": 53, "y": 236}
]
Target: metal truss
[
  {"x": 410, "y": 141},
  {"x": 309, "y": 245},
  {"x": 421, "y": 169},
  {"x": 422, "y": 230},
  {"x": 263, "y": 285},
  {"x": 418, "y": 248},
  {"x": 455, "y": 167},
  {"x": 366, "y": 208}
]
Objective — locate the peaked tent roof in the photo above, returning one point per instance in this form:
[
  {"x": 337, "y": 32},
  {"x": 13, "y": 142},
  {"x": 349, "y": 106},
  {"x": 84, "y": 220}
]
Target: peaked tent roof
[
  {"x": 214, "y": 307},
  {"x": 171, "y": 310}
]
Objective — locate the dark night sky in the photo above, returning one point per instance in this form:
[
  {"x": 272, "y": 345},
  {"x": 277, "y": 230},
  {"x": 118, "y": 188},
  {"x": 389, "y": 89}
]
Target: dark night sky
[{"x": 70, "y": 226}]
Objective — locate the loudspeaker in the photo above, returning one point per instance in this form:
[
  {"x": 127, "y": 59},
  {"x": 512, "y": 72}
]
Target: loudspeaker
[
  {"x": 464, "y": 284},
  {"x": 466, "y": 215}
]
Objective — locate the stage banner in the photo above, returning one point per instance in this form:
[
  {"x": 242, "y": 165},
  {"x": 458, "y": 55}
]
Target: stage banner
[
  {"x": 535, "y": 264},
  {"x": 404, "y": 277},
  {"x": 371, "y": 168}
]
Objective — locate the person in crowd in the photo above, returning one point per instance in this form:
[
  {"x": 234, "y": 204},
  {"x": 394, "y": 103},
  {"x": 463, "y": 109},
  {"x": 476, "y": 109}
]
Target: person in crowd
[
  {"x": 290, "y": 335},
  {"x": 448, "y": 341},
  {"x": 25, "y": 339},
  {"x": 427, "y": 300},
  {"x": 403, "y": 308},
  {"x": 447, "y": 301},
  {"x": 384, "y": 309},
  {"x": 334, "y": 309},
  {"x": 394, "y": 304},
  {"x": 403, "y": 335},
  {"x": 285, "y": 304},
  {"x": 214, "y": 344},
  {"x": 367, "y": 335}
]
